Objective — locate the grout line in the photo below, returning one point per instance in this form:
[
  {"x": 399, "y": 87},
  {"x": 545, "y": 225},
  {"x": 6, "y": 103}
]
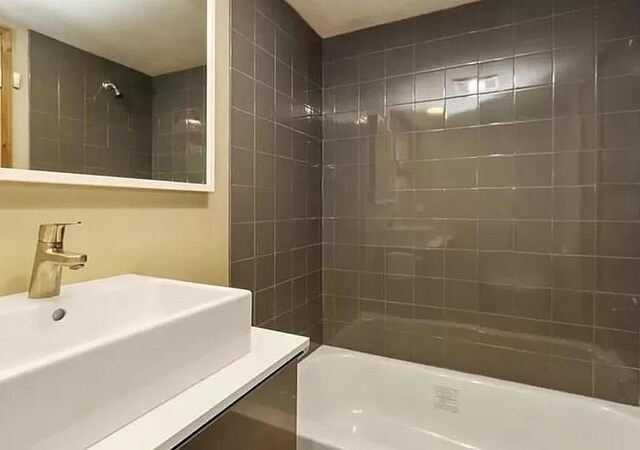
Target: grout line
[
  {"x": 553, "y": 148},
  {"x": 512, "y": 23},
  {"x": 514, "y": 235},
  {"x": 596, "y": 228},
  {"x": 496, "y": 284},
  {"x": 445, "y": 308}
]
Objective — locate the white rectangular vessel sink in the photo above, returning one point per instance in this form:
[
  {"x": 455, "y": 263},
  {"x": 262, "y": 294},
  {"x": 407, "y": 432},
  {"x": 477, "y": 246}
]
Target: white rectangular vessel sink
[{"x": 124, "y": 346}]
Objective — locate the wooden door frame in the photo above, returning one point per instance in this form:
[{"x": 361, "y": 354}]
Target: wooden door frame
[{"x": 6, "y": 42}]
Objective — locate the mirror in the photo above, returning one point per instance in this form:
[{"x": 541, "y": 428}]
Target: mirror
[{"x": 106, "y": 89}]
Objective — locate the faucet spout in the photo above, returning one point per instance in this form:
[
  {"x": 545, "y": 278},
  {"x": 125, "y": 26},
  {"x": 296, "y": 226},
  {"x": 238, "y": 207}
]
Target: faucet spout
[
  {"x": 49, "y": 260},
  {"x": 66, "y": 259}
]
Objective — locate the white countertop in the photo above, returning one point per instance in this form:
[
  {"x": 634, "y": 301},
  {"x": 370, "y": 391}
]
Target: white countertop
[{"x": 170, "y": 423}]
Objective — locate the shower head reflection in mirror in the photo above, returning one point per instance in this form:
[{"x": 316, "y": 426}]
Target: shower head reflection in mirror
[{"x": 108, "y": 86}]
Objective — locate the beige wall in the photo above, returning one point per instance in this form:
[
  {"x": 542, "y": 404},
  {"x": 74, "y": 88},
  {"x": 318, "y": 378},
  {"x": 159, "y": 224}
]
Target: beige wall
[{"x": 168, "y": 234}]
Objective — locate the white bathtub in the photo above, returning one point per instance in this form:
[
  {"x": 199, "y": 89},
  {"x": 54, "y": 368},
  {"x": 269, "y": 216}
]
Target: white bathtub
[{"x": 356, "y": 401}]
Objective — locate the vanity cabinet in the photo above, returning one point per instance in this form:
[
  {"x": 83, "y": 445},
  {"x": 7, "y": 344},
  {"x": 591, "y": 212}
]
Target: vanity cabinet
[{"x": 264, "y": 419}]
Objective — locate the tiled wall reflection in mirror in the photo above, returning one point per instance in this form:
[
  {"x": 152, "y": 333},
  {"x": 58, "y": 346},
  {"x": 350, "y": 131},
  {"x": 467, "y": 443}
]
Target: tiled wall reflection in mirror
[{"x": 93, "y": 94}]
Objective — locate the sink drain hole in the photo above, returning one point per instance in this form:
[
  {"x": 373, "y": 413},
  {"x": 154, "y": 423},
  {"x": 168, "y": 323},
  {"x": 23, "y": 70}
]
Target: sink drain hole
[{"x": 58, "y": 314}]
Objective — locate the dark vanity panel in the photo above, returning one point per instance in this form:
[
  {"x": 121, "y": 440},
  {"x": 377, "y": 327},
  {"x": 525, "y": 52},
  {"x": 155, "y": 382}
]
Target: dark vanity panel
[{"x": 264, "y": 419}]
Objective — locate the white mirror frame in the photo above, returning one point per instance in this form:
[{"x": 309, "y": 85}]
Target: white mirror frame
[{"x": 39, "y": 176}]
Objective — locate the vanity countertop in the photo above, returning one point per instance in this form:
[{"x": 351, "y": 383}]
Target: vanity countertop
[{"x": 170, "y": 423}]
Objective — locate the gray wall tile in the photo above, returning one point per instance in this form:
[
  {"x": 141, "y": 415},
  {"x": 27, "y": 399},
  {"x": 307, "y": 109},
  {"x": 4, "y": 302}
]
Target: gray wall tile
[
  {"x": 503, "y": 172},
  {"x": 430, "y": 221},
  {"x": 275, "y": 164}
]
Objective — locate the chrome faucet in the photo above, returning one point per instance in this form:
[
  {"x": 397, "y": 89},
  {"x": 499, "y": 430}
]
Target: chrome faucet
[{"x": 50, "y": 259}]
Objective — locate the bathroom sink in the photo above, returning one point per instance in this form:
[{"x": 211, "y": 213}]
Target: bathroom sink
[{"x": 75, "y": 368}]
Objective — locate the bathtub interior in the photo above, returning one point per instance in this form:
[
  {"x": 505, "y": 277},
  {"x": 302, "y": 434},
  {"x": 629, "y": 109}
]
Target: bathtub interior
[{"x": 351, "y": 400}]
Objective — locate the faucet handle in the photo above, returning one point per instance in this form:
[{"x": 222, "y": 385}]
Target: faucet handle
[{"x": 53, "y": 233}]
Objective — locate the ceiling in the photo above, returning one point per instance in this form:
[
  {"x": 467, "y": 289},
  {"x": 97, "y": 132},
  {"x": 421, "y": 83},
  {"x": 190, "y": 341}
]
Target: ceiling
[
  {"x": 333, "y": 17},
  {"x": 152, "y": 36}
]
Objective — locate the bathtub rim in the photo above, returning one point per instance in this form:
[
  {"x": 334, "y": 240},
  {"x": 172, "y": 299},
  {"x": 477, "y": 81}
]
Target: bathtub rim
[{"x": 329, "y": 351}]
